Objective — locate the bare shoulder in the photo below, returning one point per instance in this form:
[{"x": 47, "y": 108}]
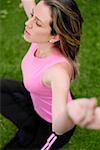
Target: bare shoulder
[
  {"x": 62, "y": 66},
  {"x": 59, "y": 70}
]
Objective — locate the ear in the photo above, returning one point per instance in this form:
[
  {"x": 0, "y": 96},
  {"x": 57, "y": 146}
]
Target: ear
[{"x": 54, "y": 38}]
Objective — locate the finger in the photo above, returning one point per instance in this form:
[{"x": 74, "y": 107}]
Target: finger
[
  {"x": 95, "y": 124},
  {"x": 80, "y": 110},
  {"x": 93, "y": 102},
  {"x": 87, "y": 121},
  {"x": 88, "y": 117}
]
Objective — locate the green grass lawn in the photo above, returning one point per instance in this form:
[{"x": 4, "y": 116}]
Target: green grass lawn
[{"x": 13, "y": 48}]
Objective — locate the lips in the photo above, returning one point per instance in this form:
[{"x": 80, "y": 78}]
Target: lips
[{"x": 26, "y": 32}]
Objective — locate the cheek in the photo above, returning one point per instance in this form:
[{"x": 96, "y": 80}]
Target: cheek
[{"x": 41, "y": 34}]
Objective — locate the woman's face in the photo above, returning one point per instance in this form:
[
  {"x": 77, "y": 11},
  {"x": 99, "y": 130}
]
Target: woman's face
[{"x": 38, "y": 28}]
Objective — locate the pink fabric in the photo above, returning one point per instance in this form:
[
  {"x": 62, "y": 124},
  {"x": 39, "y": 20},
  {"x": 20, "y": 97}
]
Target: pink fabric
[{"x": 33, "y": 69}]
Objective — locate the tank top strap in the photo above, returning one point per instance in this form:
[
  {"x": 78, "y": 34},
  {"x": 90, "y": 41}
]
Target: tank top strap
[{"x": 55, "y": 60}]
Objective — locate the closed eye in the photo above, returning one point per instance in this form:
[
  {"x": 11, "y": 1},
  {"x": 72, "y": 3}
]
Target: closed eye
[
  {"x": 32, "y": 14},
  {"x": 38, "y": 24}
]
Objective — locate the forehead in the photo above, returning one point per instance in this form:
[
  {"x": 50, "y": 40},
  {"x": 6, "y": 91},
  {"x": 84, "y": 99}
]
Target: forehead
[{"x": 43, "y": 12}]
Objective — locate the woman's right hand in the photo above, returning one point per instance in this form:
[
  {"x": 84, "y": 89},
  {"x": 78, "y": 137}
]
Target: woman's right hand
[{"x": 28, "y": 6}]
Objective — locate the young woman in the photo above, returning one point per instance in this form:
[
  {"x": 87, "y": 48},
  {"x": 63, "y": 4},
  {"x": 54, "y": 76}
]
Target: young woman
[{"x": 41, "y": 106}]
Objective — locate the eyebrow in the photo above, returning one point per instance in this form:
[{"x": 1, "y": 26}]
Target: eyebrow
[{"x": 37, "y": 17}]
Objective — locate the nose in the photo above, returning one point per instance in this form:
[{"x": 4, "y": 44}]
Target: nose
[{"x": 29, "y": 23}]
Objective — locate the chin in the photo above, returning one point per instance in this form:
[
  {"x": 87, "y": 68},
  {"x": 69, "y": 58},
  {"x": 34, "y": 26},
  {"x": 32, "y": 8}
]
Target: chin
[{"x": 27, "y": 40}]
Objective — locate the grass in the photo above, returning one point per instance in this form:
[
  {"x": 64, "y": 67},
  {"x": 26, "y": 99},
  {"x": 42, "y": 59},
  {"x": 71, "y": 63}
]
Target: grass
[{"x": 13, "y": 48}]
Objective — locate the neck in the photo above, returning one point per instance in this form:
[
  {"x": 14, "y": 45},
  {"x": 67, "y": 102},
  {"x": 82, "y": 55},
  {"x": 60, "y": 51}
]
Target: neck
[{"x": 44, "y": 49}]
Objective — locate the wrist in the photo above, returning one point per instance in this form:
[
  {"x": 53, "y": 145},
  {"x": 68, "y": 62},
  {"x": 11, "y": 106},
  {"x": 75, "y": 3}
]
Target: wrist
[{"x": 68, "y": 111}]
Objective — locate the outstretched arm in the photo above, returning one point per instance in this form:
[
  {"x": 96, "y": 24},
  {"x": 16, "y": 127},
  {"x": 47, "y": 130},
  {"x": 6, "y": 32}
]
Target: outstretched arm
[
  {"x": 28, "y": 6},
  {"x": 84, "y": 113},
  {"x": 65, "y": 115}
]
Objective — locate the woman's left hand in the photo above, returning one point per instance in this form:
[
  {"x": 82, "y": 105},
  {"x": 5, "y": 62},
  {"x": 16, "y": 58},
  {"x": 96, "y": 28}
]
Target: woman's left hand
[
  {"x": 84, "y": 113},
  {"x": 95, "y": 124}
]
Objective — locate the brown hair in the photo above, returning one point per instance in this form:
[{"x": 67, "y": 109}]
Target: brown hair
[{"x": 67, "y": 23}]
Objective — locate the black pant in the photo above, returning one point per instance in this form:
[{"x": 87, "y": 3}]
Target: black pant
[{"x": 16, "y": 105}]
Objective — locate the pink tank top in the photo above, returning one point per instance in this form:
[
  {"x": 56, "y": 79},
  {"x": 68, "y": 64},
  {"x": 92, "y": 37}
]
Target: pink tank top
[{"x": 33, "y": 69}]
